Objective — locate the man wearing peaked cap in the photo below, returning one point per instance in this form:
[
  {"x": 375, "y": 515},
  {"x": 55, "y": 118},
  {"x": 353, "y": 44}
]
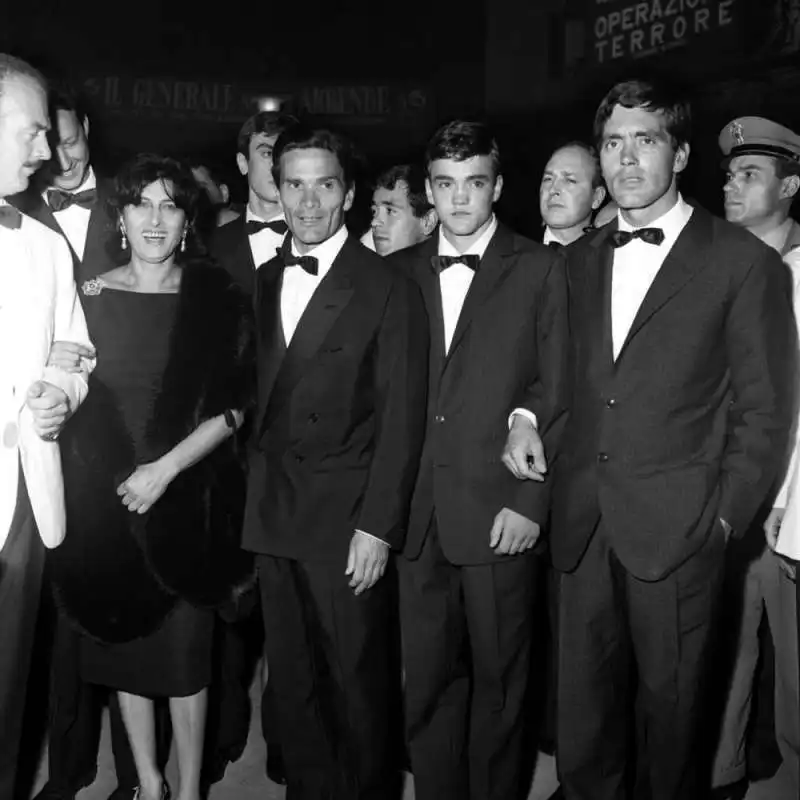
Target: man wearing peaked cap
[{"x": 762, "y": 159}]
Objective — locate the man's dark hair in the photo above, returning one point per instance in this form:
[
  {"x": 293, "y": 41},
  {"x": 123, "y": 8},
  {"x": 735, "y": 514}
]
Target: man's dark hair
[
  {"x": 304, "y": 137},
  {"x": 271, "y": 123},
  {"x": 13, "y": 67},
  {"x": 650, "y": 96},
  {"x": 147, "y": 168},
  {"x": 460, "y": 140},
  {"x": 785, "y": 169},
  {"x": 591, "y": 151},
  {"x": 66, "y": 100},
  {"x": 414, "y": 178}
]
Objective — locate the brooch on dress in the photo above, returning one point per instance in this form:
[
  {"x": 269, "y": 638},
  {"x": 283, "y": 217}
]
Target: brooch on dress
[{"x": 93, "y": 287}]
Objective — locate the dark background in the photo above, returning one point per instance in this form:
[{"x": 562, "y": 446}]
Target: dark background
[{"x": 387, "y": 74}]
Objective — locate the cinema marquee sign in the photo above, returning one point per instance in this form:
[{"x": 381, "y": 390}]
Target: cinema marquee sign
[
  {"x": 622, "y": 29},
  {"x": 213, "y": 101}
]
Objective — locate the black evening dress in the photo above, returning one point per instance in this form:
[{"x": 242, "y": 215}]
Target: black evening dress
[{"x": 140, "y": 587}]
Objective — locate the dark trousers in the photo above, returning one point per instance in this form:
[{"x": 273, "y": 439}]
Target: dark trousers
[
  {"x": 333, "y": 683},
  {"x": 21, "y": 565},
  {"x": 617, "y": 632},
  {"x": 467, "y": 646}
]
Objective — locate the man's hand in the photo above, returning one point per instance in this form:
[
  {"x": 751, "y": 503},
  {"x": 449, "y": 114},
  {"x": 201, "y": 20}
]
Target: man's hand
[
  {"x": 147, "y": 483},
  {"x": 512, "y": 533},
  {"x": 772, "y": 529},
  {"x": 523, "y": 453},
  {"x": 366, "y": 561},
  {"x": 49, "y": 406},
  {"x": 69, "y": 356}
]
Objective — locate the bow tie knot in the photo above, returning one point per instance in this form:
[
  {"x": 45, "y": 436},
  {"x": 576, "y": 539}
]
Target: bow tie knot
[
  {"x": 309, "y": 263},
  {"x": 650, "y": 235},
  {"x": 439, "y": 263},
  {"x": 253, "y": 226},
  {"x": 59, "y": 200},
  {"x": 9, "y": 217}
]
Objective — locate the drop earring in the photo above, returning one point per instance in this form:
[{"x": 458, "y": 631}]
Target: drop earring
[
  {"x": 123, "y": 242},
  {"x": 183, "y": 240}
]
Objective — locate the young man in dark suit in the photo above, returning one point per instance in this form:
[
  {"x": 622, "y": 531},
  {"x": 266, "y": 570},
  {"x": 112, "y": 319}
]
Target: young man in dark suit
[
  {"x": 680, "y": 403},
  {"x": 244, "y": 244},
  {"x": 69, "y": 197},
  {"x": 497, "y": 309},
  {"x": 342, "y": 364}
]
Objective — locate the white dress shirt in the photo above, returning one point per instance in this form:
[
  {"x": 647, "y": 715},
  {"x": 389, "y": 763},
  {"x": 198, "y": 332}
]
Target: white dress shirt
[
  {"x": 74, "y": 221},
  {"x": 635, "y": 267},
  {"x": 549, "y": 236},
  {"x": 266, "y": 243},
  {"x": 455, "y": 281},
  {"x": 368, "y": 241},
  {"x": 38, "y": 305},
  {"x": 299, "y": 287}
]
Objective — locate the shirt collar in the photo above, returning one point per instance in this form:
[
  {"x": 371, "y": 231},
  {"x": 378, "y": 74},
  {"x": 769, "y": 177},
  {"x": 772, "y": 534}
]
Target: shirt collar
[
  {"x": 326, "y": 252},
  {"x": 776, "y": 238},
  {"x": 477, "y": 248},
  {"x": 249, "y": 216},
  {"x": 672, "y": 222},
  {"x": 549, "y": 236},
  {"x": 89, "y": 182}
]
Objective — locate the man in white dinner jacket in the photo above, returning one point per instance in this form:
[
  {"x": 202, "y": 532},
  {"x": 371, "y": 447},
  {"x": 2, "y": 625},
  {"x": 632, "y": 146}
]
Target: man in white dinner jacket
[{"x": 38, "y": 304}]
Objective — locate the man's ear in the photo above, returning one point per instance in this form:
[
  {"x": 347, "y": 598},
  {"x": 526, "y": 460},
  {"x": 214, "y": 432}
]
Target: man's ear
[
  {"x": 598, "y": 196},
  {"x": 681, "y": 158},
  {"x": 429, "y": 221},
  {"x": 789, "y": 186},
  {"x": 225, "y": 192},
  {"x": 498, "y": 188},
  {"x": 241, "y": 162}
]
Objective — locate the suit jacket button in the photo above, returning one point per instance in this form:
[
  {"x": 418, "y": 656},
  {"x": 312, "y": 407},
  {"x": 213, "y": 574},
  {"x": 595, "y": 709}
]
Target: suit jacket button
[
  {"x": 611, "y": 402},
  {"x": 298, "y": 458},
  {"x": 313, "y": 417},
  {"x": 438, "y": 418},
  {"x": 602, "y": 457}
]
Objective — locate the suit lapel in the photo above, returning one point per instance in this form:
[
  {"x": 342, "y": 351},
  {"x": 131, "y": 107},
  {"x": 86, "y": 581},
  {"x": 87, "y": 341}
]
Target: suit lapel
[
  {"x": 494, "y": 267},
  {"x": 271, "y": 341},
  {"x": 99, "y": 232},
  {"x": 326, "y": 305},
  {"x": 428, "y": 282},
  {"x": 593, "y": 278},
  {"x": 682, "y": 263}
]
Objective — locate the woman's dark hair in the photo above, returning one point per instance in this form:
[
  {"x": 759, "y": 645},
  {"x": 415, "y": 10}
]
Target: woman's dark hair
[
  {"x": 460, "y": 140},
  {"x": 651, "y": 96},
  {"x": 147, "y": 168},
  {"x": 304, "y": 137}
]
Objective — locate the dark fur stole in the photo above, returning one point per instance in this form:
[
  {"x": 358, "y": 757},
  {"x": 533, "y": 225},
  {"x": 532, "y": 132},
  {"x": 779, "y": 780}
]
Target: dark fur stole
[{"x": 118, "y": 574}]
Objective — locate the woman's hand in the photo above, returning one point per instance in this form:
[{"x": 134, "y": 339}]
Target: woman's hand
[
  {"x": 147, "y": 483},
  {"x": 69, "y": 356}
]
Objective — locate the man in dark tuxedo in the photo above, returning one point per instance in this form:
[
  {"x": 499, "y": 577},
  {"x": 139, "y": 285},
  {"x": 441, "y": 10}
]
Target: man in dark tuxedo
[
  {"x": 570, "y": 191},
  {"x": 497, "y": 309},
  {"x": 680, "y": 403},
  {"x": 69, "y": 197},
  {"x": 342, "y": 364},
  {"x": 244, "y": 244}
]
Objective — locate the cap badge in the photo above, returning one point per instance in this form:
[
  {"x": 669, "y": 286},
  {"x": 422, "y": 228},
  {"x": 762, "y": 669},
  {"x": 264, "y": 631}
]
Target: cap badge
[{"x": 737, "y": 132}]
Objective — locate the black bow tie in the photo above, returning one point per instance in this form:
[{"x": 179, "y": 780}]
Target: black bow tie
[
  {"x": 555, "y": 245},
  {"x": 649, "y": 235},
  {"x": 254, "y": 226},
  {"x": 439, "y": 263},
  {"x": 59, "y": 200},
  {"x": 10, "y": 217},
  {"x": 309, "y": 263}
]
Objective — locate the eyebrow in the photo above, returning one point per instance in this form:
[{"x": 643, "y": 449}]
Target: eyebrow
[
  {"x": 741, "y": 167},
  {"x": 469, "y": 177}
]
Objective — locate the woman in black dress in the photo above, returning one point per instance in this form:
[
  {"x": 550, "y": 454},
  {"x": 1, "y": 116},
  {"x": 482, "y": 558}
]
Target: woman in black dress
[{"x": 154, "y": 483}]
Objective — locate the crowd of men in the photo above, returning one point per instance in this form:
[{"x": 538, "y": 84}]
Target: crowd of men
[{"x": 448, "y": 417}]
